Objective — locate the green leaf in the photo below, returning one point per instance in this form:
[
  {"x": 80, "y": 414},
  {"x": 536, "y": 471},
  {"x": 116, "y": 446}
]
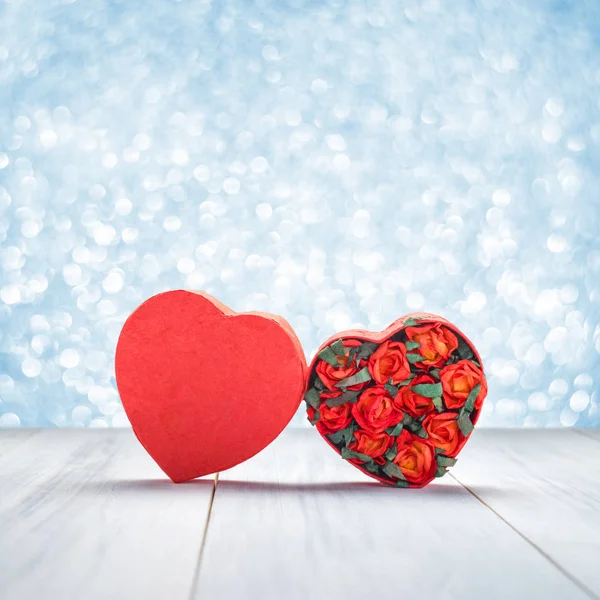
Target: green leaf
[
  {"x": 445, "y": 461},
  {"x": 346, "y": 453},
  {"x": 392, "y": 390},
  {"x": 464, "y": 424},
  {"x": 439, "y": 405},
  {"x": 361, "y": 377},
  {"x": 337, "y": 437},
  {"x": 412, "y": 345},
  {"x": 366, "y": 349},
  {"x": 464, "y": 351},
  {"x": 440, "y": 472},
  {"x": 414, "y": 425},
  {"x": 338, "y": 348},
  {"x": 352, "y": 354},
  {"x": 350, "y": 454},
  {"x": 470, "y": 403},
  {"x": 315, "y": 418},
  {"x": 414, "y": 358},
  {"x": 435, "y": 373},
  {"x": 391, "y": 453},
  {"x": 318, "y": 384},
  {"x": 349, "y": 433},
  {"x": 329, "y": 356},
  {"x": 393, "y": 470},
  {"x": 406, "y": 381},
  {"x": 420, "y": 431},
  {"x": 410, "y": 322},
  {"x": 401, "y": 483},
  {"x": 407, "y": 420},
  {"x": 372, "y": 467},
  {"x": 312, "y": 398},
  {"x": 396, "y": 430},
  {"x": 428, "y": 390},
  {"x": 347, "y": 396},
  {"x": 343, "y": 435}
]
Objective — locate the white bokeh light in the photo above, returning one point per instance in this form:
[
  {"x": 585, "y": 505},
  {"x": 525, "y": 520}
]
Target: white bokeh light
[{"x": 345, "y": 171}]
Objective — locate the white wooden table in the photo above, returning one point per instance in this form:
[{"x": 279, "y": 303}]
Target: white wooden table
[{"x": 86, "y": 514}]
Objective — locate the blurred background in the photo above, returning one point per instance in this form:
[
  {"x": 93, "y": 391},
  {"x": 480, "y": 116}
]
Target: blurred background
[{"x": 338, "y": 163}]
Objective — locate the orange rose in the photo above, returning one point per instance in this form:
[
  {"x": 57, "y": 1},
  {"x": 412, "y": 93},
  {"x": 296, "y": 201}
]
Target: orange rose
[
  {"x": 389, "y": 362},
  {"x": 331, "y": 419},
  {"x": 374, "y": 445},
  {"x": 443, "y": 432},
  {"x": 457, "y": 382},
  {"x": 330, "y": 375},
  {"x": 415, "y": 458},
  {"x": 414, "y": 404},
  {"x": 436, "y": 344},
  {"x": 375, "y": 410}
]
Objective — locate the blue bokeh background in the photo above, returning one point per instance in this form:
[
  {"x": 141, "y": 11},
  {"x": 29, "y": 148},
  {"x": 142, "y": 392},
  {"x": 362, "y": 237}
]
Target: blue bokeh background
[{"x": 339, "y": 163}]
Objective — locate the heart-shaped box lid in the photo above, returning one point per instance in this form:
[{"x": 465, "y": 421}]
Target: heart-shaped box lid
[{"x": 206, "y": 388}]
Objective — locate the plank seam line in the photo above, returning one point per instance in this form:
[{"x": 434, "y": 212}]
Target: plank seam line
[
  {"x": 585, "y": 434},
  {"x": 196, "y": 576},
  {"x": 566, "y": 573}
]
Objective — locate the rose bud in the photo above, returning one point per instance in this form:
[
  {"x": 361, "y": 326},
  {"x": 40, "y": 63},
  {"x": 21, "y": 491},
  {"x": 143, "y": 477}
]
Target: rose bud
[
  {"x": 457, "y": 382},
  {"x": 410, "y": 402},
  {"x": 443, "y": 432},
  {"x": 415, "y": 458},
  {"x": 331, "y": 375},
  {"x": 389, "y": 362},
  {"x": 436, "y": 344},
  {"x": 374, "y": 445},
  {"x": 331, "y": 419},
  {"x": 375, "y": 410}
]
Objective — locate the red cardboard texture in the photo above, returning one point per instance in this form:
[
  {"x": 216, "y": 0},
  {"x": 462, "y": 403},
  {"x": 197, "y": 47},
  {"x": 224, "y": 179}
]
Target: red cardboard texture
[
  {"x": 399, "y": 404},
  {"x": 206, "y": 388}
]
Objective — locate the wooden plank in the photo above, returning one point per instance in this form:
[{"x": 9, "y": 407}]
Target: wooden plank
[
  {"x": 297, "y": 522},
  {"x": 88, "y": 515},
  {"x": 546, "y": 484},
  {"x": 11, "y": 439},
  {"x": 589, "y": 432}
]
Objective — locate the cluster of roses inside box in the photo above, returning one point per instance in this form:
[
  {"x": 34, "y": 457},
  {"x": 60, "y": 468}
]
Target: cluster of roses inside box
[{"x": 400, "y": 410}]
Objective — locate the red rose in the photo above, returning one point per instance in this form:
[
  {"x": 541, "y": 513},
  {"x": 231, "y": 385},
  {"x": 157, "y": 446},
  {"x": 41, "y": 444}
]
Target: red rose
[
  {"x": 375, "y": 410},
  {"x": 443, "y": 432},
  {"x": 331, "y": 419},
  {"x": 389, "y": 362},
  {"x": 374, "y": 445},
  {"x": 414, "y": 404},
  {"x": 457, "y": 382},
  {"x": 330, "y": 375},
  {"x": 437, "y": 343},
  {"x": 415, "y": 458}
]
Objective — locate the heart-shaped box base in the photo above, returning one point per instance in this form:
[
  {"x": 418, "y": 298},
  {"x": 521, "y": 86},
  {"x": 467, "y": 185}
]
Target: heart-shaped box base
[
  {"x": 399, "y": 404},
  {"x": 206, "y": 388}
]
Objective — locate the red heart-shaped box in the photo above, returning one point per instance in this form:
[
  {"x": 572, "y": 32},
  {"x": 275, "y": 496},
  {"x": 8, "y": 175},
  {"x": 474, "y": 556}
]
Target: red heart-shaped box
[
  {"x": 206, "y": 388},
  {"x": 399, "y": 404}
]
